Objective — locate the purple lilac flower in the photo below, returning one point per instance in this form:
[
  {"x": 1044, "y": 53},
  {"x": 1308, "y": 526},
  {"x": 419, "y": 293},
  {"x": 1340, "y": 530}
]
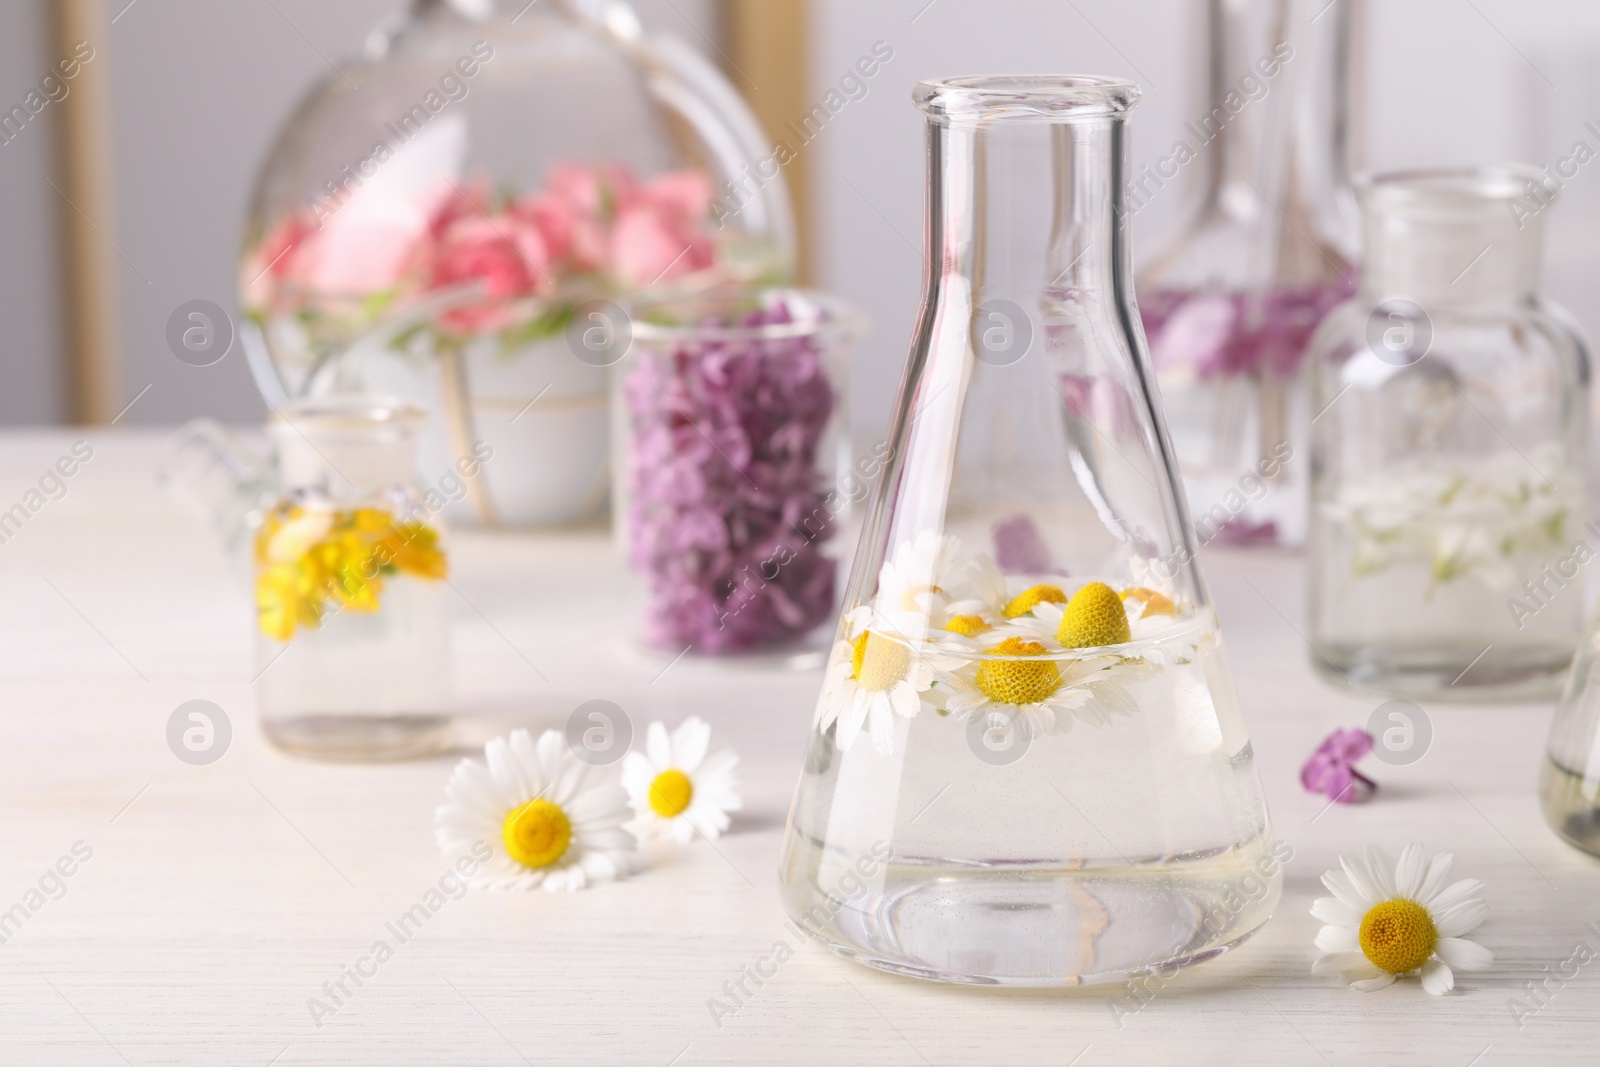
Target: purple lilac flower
[
  {"x": 1237, "y": 334},
  {"x": 1331, "y": 769},
  {"x": 1019, "y": 548},
  {"x": 729, "y": 506}
]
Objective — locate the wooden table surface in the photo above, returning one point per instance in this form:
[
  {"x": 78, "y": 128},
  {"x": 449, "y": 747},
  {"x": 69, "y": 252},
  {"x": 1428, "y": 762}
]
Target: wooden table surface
[{"x": 217, "y": 900}]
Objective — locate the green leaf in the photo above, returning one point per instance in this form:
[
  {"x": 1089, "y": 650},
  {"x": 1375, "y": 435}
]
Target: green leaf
[{"x": 549, "y": 323}]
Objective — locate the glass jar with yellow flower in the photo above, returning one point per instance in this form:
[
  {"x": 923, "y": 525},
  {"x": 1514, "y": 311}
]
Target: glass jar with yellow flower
[{"x": 352, "y": 632}]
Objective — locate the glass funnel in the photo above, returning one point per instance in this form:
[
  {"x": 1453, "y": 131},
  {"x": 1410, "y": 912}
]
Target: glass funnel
[
  {"x": 1230, "y": 303},
  {"x": 1028, "y": 764}
]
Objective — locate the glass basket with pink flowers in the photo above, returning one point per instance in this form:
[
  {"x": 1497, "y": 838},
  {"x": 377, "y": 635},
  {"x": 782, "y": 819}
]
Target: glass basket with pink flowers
[{"x": 450, "y": 217}]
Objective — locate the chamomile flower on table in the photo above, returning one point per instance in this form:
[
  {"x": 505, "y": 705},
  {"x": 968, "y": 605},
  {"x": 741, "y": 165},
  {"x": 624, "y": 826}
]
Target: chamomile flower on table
[
  {"x": 1387, "y": 920},
  {"x": 549, "y": 818},
  {"x": 676, "y": 788}
]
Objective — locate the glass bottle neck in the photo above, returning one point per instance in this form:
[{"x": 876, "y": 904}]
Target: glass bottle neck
[{"x": 1467, "y": 257}]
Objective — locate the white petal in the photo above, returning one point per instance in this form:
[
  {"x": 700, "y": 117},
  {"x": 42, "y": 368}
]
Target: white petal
[
  {"x": 1340, "y": 885},
  {"x": 1437, "y": 977},
  {"x": 1457, "y": 919},
  {"x": 1370, "y": 985},
  {"x": 853, "y": 718},
  {"x": 637, "y": 774},
  {"x": 552, "y": 755},
  {"x": 1465, "y": 889},
  {"x": 506, "y": 771},
  {"x": 658, "y": 746},
  {"x": 963, "y": 704},
  {"x": 881, "y": 723},
  {"x": 1464, "y": 955},
  {"x": 1346, "y": 965},
  {"x": 1335, "y": 911},
  {"x": 1382, "y": 872},
  {"x": 689, "y": 744},
  {"x": 474, "y": 790},
  {"x": 904, "y": 700},
  {"x": 1433, "y": 881},
  {"x": 717, "y": 770},
  {"x": 1338, "y": 939},
  {"x": 1409, "y": 872}
]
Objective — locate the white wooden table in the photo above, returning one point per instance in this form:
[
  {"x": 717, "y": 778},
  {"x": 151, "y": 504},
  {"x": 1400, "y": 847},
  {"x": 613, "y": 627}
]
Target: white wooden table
[{"x": 218, "y": 899}]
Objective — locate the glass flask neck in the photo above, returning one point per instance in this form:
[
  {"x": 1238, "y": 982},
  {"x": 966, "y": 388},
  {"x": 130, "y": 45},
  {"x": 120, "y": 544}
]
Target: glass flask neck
[
  {"x": 1277, "y": 128},
  {"x": 1453, "y": 237},
  {"x": 346, "y": 449},
  {"x": 1052, "y": 182}
]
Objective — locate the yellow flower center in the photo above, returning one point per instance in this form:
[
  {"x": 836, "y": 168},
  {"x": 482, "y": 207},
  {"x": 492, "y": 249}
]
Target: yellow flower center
[
  {"x": 1034, "y": 594},
  {"x": 1095, "y": 617},
  {"x": 670, "y": 793},
  {"x": 537, "y": 834},
  {"x": 1398, "y": 936},
  {"x": 967, "y": 625},
  {"x": 1018, "y": 682},
  {"x": 1154, "y": 603},
  {"x": 878, "y": 663}
]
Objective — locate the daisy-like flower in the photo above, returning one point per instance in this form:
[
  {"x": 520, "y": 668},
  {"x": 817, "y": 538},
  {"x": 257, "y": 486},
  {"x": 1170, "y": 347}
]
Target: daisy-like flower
[
  {"x": 676, "y": 788},
  {"x": 1149, "y": 615},
  {"x": 920, "y": 575},
  {"x": 1383, "y": 921},
  {"x": 549, "y": 818},
  {"x": 1038, "y": 694},
  {"x": 872, "y": 678}
]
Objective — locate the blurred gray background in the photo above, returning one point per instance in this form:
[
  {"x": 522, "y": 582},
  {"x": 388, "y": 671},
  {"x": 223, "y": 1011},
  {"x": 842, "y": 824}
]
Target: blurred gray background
[{"x": 198, "y": 89}]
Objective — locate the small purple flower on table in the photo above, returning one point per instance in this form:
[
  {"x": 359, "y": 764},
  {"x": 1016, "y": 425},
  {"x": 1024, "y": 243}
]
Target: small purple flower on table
[{"x": 1331, "y": 769}]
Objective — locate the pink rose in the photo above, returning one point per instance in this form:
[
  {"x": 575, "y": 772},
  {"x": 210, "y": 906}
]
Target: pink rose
[
  {"x": 685, "y": 192},
  {"x": 660, "y": 231},
  {"x": 264, "y": 269},
  {"x": 506, "y": 253},
  {"x": 590, "y": 189}
]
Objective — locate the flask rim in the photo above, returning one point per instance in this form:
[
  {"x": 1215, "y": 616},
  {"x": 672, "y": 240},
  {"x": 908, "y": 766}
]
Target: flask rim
[{"x": 1027, "y": 97}]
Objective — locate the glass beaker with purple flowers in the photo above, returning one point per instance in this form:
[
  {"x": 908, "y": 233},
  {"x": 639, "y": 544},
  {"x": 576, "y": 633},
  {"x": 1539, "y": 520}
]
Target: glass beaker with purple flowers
[{"x": 736, "y": 486}]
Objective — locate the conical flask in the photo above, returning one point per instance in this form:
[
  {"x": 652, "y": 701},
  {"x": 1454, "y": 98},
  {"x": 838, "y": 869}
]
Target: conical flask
[
  {"x": 1028, "y": 764},
  {"x": 1231, "y": 301}
]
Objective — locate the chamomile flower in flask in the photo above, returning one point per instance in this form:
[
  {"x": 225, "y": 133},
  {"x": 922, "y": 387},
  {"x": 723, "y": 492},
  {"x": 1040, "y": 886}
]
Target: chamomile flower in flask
[
  {"x": 1028, "y": 764},
  {"x": 352, "y": 615},
  {"x": 1449, "y": 454}
]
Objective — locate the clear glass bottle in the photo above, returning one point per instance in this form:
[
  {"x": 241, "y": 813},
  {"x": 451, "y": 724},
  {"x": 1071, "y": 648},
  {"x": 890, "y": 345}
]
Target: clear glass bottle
[
  {"x": 1230, "y": 303},
  {"x": 1028, "y": 765},
  {"x": 736, "y": 488},
  {"x": 352, "y": 619},
  {"x": 1449, "y": 451},
  {"x": 436, "y": 215}
]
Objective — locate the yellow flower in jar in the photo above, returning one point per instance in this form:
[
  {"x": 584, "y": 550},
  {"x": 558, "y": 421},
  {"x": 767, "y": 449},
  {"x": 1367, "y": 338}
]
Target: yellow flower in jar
[
  {"x": 307, "y": 558},
  {"x": 414, "y": 549}
]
